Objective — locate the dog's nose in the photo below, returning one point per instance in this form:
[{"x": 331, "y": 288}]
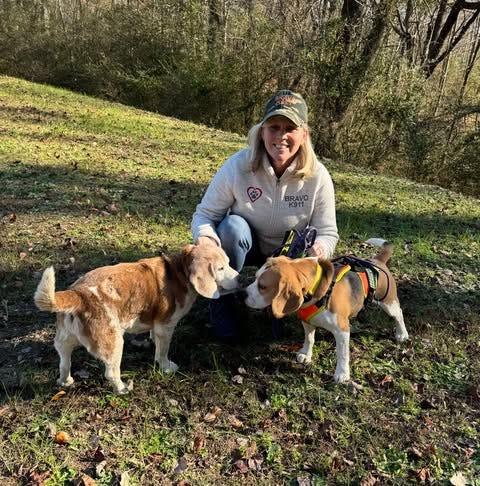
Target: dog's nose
[
  {"x": 242, "y": 295},
  {"x": 243, "y": 281}
]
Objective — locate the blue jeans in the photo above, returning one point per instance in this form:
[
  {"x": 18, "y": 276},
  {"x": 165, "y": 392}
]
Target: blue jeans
[{"x": 239, "y": 243}]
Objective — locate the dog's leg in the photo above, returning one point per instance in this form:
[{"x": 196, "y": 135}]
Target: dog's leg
[
  {"x": 112, "y": 367},
  {"x": 163, "y": 335},
  {"x": 394, "y": 310},
  {"x": 342, "y": 349},
  {"x": 65, "y": 343},
  {"x": 340, "y": 328},
  {"x": 305, "y": 354}
]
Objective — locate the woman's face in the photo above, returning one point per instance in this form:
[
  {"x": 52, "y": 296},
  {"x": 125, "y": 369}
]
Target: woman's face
[{"x": 282, "y": 139}]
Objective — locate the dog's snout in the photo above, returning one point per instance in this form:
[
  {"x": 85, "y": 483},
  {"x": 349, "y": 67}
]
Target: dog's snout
[
  {"x": 242, "y": 294},
  {"x": 244, "y": 281}
]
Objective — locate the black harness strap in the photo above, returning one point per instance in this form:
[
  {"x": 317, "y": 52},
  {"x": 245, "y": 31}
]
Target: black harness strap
[{"x": 371, "y": 270}]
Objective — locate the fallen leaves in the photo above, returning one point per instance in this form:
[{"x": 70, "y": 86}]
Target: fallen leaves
[
  {"x": 238, "y": 379},
  {"x": 198, "y": 443},
  {"x": 235, "y": 422},
  {"x": 58, "y": 395},
  {"x": 62, "y": 438},
  {"x": 84, "y": 480},
  {"x": 38, "y": 478},
  {"x": 212, "y": 415},
  {"x": 250, "y": 459},
  {"x": 423, "y": 474},
  {"x": 4, "y": 410}
]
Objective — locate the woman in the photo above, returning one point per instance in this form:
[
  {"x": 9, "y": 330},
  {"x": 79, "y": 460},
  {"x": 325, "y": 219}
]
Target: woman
[{"x": 274, "y": 185}]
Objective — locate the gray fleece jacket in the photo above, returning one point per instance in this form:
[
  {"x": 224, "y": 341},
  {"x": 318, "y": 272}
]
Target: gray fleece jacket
[{"x": 269, "y": 204}]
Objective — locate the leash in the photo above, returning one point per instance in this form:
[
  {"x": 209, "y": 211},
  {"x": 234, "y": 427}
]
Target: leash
[{"x": 296, "y": 243}]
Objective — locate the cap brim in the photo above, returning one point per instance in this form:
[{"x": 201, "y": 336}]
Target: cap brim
[{"x": 287, "y": 114}]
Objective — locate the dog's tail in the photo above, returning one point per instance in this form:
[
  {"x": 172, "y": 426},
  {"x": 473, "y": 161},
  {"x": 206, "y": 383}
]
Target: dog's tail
[
  {"x": 46, "y": 299},
  {"x": 386, "y": 251}
]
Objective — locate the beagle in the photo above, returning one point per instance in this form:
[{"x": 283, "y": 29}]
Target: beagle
[
  {"x": 327, "y": 297},
  {"x": 152, "y": 294}
]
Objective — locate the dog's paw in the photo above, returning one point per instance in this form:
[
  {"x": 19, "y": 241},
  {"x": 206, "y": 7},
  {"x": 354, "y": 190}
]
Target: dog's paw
[
  {"x": 168, "y": 367},
  {"x": 303, "y": 358},
  {"x": 401, "y": 337},
  {"x": 341, "y": 377},
  {"x": 125, "y": 389},
  {"x": 68, "y": 382}
]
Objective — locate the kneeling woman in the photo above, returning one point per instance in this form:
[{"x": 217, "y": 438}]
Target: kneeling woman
[{"x": 274, "y": 185}]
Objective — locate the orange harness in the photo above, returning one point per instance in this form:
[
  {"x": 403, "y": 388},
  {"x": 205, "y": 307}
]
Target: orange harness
[{"x": 307, "y": 313}]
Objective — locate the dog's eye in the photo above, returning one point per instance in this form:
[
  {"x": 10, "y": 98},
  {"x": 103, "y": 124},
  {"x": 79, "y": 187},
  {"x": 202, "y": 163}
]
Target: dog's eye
[
  {"x": 262, "y": 287},
  {"x": 221, "y": 269}
]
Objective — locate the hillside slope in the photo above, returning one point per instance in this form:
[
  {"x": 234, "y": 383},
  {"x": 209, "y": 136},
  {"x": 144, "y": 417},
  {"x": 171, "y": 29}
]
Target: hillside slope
[{"x": 86, "y": 183}]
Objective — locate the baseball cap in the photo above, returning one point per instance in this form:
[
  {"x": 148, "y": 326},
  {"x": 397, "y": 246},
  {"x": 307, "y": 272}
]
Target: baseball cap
[{"x": 289, "y": 104}]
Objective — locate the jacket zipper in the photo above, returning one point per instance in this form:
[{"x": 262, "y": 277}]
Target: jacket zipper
[{"x": 275, "y": 205}]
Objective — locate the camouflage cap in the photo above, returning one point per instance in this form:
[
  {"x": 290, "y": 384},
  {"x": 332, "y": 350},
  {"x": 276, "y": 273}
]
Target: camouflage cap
[{"x": 289, "y": 104}]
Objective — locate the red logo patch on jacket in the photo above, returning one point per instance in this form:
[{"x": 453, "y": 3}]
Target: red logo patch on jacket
[{"x": 254, "y": 193}]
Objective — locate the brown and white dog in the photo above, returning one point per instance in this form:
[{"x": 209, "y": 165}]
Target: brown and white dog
[
  {"x": 152, "y": 294},
  {"x": 283, "y": 283}
]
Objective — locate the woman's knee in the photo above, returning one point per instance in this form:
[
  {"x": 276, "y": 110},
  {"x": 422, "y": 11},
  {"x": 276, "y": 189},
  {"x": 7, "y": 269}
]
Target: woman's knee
[{"x": 236, "y": 237}]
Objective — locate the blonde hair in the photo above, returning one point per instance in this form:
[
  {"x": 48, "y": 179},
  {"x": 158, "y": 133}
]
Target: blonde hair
[{"x": 305, "y": 157}]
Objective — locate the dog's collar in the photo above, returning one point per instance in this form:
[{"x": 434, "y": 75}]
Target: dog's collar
[{"x": 313, "y": 288}]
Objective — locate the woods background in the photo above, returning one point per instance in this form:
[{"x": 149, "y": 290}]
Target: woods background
[{"x": 392, "y": 85}]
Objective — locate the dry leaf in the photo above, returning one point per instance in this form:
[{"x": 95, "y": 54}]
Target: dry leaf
[
  {"x": 12, "y": 217},
  {"x": 237, "y": 379},
  {"x": 84, "y": 480},
  {"x": 216, "y": 410},
  {"x": 282, "y": 413},
  {"x": 113, "y": 208},
  {"x": 235, "y": 423},
  {"x": 58, "y": 395},
  {"x": 62, "y": 438},
  {"x": 4, "y": 410},
  {"x": 423, "y": 474},
  {"x": 242, "y": 370},
  {"x": 469, "y": 452},
  {"x": 209, "y": 417},
  {"x": 250, "y": 451},
  {"x": 369, "y": 480},
  {"x": 198, "y": 443},
  {"x": 386, "y": 380},
  {"x": 99, "y": 455},
  {"x": 38, "y": 479},
  {"x": 427, "y": 420},
  {"x": 241, "y": 466},
  {"x": 291, "y": 348},
  {"x": 22, "y": 255},
  {"x": 348, "y": 462}
]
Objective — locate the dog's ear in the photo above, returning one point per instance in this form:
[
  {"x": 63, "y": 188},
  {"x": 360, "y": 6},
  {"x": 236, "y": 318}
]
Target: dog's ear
[
  {"x": 326, "y": 278},
  {"x": 202, "y": 277},
  {"x": 289, "y": 298}
]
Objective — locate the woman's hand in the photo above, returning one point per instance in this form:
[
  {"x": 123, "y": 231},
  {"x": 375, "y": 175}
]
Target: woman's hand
[
  {"x": 206, "y": 240},
  {"x": 317, "y": 250}
]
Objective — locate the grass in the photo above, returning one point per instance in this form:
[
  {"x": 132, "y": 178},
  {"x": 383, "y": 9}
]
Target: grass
[{"x": 88, "y": 183}]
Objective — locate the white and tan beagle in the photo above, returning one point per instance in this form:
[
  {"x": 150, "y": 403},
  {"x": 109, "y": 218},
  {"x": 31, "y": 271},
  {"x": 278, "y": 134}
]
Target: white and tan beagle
[
  {"x": 152, "y": 294},
  {"x": 324, "y": 298}
]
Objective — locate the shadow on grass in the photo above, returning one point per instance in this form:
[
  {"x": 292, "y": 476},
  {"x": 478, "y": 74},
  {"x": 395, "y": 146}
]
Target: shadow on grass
[{"x": 70, "y": 191}]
